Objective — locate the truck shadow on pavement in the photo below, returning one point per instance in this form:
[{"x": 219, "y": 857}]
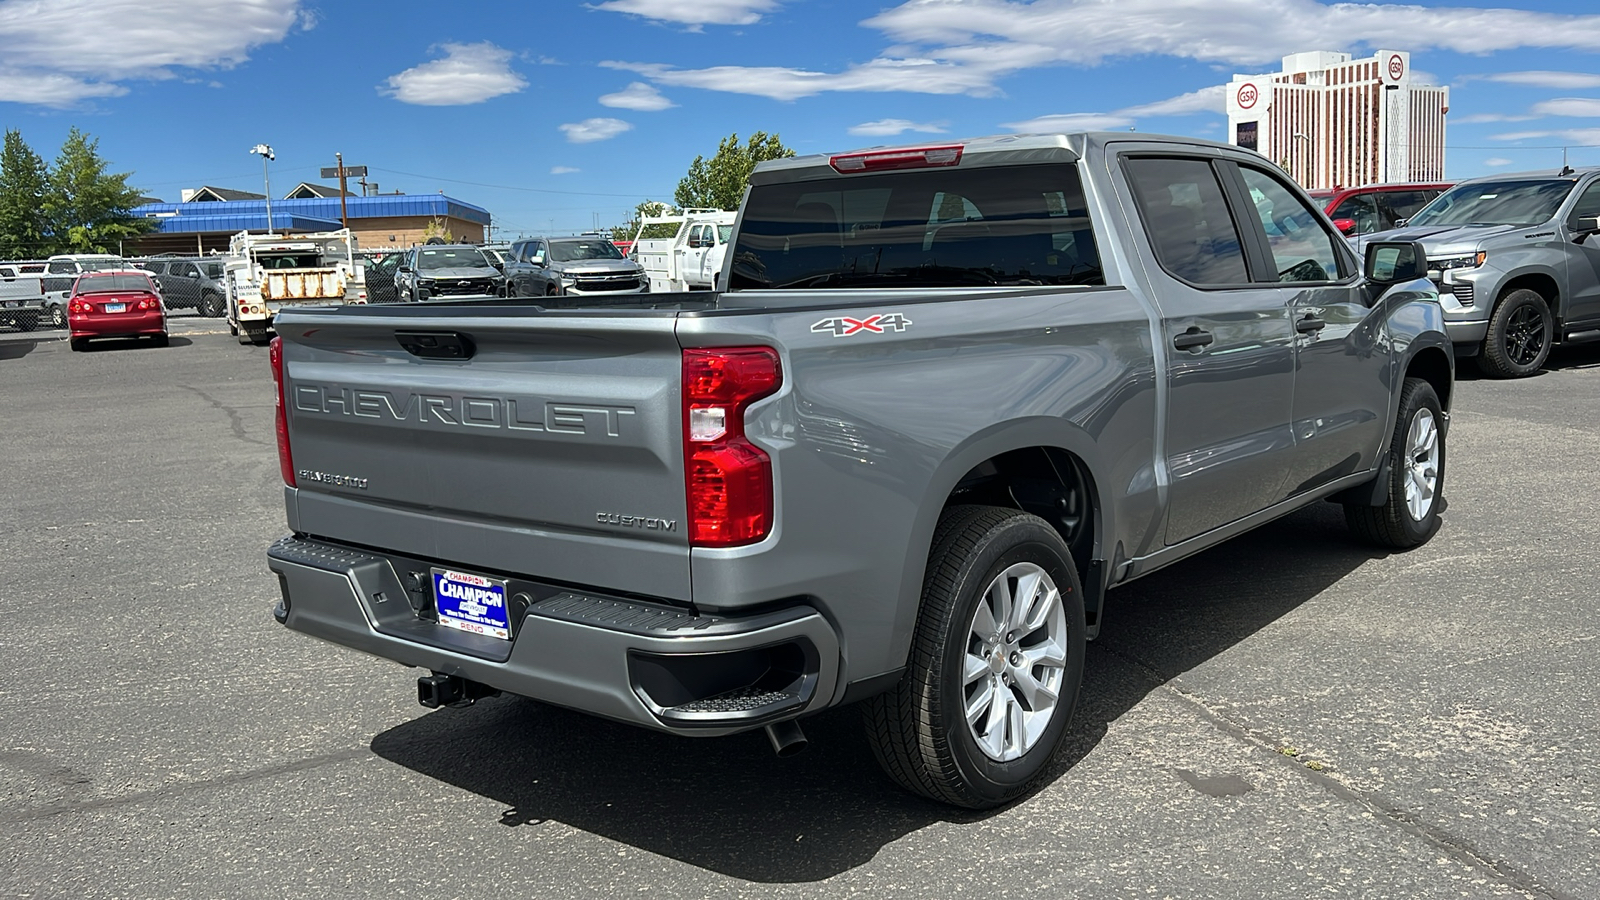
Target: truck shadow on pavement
[{"x": 728, "y": 805}]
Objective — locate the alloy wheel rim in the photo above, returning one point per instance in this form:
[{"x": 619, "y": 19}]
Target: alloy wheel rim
[
  {"x": 1525, "y": 336},
  {"x": 1014, "y": 662},
  {"x": 1422, "y": 464}
]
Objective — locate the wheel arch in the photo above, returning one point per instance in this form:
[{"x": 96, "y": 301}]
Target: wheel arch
[
  {"x": 1540, "y": 281},
  {"x": 1436, "y": 366},
  {"x": 989, "y": 468}
]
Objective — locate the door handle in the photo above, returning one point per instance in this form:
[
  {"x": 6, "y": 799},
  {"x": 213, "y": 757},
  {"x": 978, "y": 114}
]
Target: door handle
[
  {"x": 1193, "y": 339},
  {"x": 1310, "y": 324}
]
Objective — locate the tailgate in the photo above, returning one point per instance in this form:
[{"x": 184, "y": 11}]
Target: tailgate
[{"x": 553, "y": 452}]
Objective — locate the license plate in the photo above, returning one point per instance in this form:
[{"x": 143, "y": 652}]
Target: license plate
[
  {"x": 472, "y": 603},
  {"x": 116, "y": 307}
]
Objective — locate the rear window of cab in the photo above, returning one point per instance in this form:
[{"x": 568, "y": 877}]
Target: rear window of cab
[{"x": 100, "y": 284}]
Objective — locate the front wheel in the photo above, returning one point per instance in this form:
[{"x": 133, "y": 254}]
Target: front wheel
[
  {"x": 1410, "y": 515},
  {"x": 996, "y": 662},
  {"x": 1520, "y": 331}
]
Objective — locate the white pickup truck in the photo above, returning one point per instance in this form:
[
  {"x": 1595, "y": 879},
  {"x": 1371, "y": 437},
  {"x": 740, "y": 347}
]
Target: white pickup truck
[
  {"x": 22, "y": 300},
  {"x": 692, "y": 258},
  {"x": 266, "y": 272}
]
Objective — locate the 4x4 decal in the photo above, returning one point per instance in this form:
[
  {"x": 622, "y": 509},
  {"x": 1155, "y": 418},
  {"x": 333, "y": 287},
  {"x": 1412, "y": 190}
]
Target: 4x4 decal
[{"x": 844, "y": 326}]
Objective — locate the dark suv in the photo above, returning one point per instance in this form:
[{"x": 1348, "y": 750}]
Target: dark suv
[
  {"x": 1375, "y": 207},
  {"x": 446, "y": 270},
  {"x": 195, "y": 284}
]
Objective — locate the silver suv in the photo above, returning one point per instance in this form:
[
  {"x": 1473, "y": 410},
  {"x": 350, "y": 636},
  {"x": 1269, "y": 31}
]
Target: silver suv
[
  {"x": 585, "y": 264},
  {"x": 1517, "y": 264}
]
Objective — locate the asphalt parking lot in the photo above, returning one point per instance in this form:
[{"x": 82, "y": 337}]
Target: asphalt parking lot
[{"x": 1288, "y": 715}]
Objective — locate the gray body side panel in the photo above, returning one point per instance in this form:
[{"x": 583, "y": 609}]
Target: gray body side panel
[{"x": 868, "y": 434}]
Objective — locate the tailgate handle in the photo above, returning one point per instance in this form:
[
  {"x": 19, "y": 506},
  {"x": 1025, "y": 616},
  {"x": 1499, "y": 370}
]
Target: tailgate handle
[{"x": 436, "y": 344}]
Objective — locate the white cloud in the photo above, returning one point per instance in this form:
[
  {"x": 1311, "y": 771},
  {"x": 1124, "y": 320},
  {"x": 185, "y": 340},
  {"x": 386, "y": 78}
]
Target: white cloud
[
  {"x": 1559, "y": 80},
  {"x": 469, "y": 73},
  {"x": 60, "y": 53},
  {"x": 1233, "y": 31},
  {"x": 694, "y": 12},
  {"x": 637, "y": 96},
  {"x": 1069, "y": 122},
  {"x": 967, "y": 46},
  {"x": 885, "y": 127},
  {"x": 919, "y": 75},
  {"x": 590, "y": 130},
  {"x": 1579, "y": 107},
  {"x": 1495, "y": 162},
  {"x": 563, "y": 170},
  {"x": 1481, "y": 118},
  {"x": 1210, "y": 99},
  {"x": 1569, "y": 136}
]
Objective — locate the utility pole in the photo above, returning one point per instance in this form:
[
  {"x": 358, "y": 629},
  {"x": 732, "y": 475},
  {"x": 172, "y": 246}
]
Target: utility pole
[{"x": 341, "y": 172}]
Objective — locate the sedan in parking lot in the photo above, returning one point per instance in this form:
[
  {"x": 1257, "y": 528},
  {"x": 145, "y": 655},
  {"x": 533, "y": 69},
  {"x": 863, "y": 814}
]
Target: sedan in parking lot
[{"x": 116, "y": 304}]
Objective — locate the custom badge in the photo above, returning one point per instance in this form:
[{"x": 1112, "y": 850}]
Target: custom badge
[{"x": 844, "y": 326}]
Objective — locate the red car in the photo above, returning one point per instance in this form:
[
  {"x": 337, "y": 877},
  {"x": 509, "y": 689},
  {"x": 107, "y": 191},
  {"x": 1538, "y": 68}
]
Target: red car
[
  {"x": 1375, "y": 207},
  {"x": 116, "y": 304}
]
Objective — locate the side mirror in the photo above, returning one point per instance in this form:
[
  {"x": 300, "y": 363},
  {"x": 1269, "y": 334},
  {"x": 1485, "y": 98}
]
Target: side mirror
[
  {"x": 406, "y": 269},
  {"x": 1395, "y": 262},
  {"x": 1346, "y": 227},
  {"x": 499, "y": 266},
  {"x": 1581, "y": 233},
  {"x": 1401, "y": 223}
]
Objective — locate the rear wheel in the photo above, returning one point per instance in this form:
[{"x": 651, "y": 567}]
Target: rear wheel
[
  {"x": 27, "y": 320},
  {"x": 58, "y": 317},
  {"x": 210, "y": 305},
  {"x": 1410, "y": 515},
  {"x": 160, "y": 340},
  {"x": 1520, "y": 331},
  {"x": 995, "y": 665},
  {"x": 78, "y": 345}
]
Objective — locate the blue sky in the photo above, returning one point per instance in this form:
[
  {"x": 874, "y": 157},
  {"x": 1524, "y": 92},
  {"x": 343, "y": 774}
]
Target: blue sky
[{"x": 555, "y": 114}]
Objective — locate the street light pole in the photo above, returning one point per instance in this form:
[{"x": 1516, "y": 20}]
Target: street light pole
[
  {"x": 266, "y": 182},
  {"x": 1307, "y": 138}
]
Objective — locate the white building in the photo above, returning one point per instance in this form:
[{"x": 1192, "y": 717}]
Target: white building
[{"x": 1333, "y": 121}]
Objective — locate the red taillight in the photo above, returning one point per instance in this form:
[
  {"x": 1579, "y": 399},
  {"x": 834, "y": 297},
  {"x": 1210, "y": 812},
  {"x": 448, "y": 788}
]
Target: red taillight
[
  {"x": 79, "y": 308},
  {"x": 887, "y": 160},
  {"x": 149, "y": 304},
  {"x": 285, "y": 458},
  {"x": 729, "y": 479}
]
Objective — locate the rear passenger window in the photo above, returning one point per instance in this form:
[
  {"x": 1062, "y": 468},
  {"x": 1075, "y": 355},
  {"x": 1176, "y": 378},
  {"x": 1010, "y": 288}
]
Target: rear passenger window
[
  {"x": 1187, "y": 219},
  {"x": 1302, "y": 250}
]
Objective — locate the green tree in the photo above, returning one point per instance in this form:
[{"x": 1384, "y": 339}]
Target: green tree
[
  {"x": 23, "y": 181},
  {"x": 719, "y": 183},
  {"x": 628, "y": 229},
  {"x": 436, "y": 228},
  {"x": 87, "y": 209}
]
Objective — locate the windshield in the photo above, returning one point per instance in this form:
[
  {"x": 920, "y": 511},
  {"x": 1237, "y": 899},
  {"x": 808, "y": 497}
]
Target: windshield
[
  {"x": 452, "y": 258},
  {"x": 97, "y": 284},
  {"x": 288, "y": 260},
  {"x": 1496, "y": 203},
  {"x": 100, "y": 265},
  {"x": 1004, "y": 225},
  {"x": 571, "y": 251}
]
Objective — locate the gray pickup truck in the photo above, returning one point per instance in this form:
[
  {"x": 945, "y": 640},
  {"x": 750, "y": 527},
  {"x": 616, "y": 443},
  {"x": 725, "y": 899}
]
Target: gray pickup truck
[
  {"x": 1517, "y": 261},
  {"x": 950, "y": 396}
]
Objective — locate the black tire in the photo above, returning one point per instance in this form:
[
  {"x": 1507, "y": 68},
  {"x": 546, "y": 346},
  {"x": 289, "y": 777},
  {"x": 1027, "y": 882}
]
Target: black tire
[
  {"x": 1521, "y": 329},
  {"x": 160, "y": 340},
  {"x": 918, "y": 730},
  {"x": 233, "y": 328},
  {"x": 551, "y": 290},
  {"x": 58, "y": 317},
  {"x": 78, "y": 345},
  {"x": 210, "y": 305},
  {"x": 27, "y": 320},
  {"x": 1393, "y": 525}
]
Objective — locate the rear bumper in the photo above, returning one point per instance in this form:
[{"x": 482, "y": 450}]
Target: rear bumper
[
  {"x": 117, "y": 324},
  {"x": 654, "y": 666}
]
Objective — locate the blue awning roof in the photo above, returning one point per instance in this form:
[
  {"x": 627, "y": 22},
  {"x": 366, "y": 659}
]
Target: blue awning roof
[
  {"x": 237, "y": 222},
  {"x": 323, "y": 211}
]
